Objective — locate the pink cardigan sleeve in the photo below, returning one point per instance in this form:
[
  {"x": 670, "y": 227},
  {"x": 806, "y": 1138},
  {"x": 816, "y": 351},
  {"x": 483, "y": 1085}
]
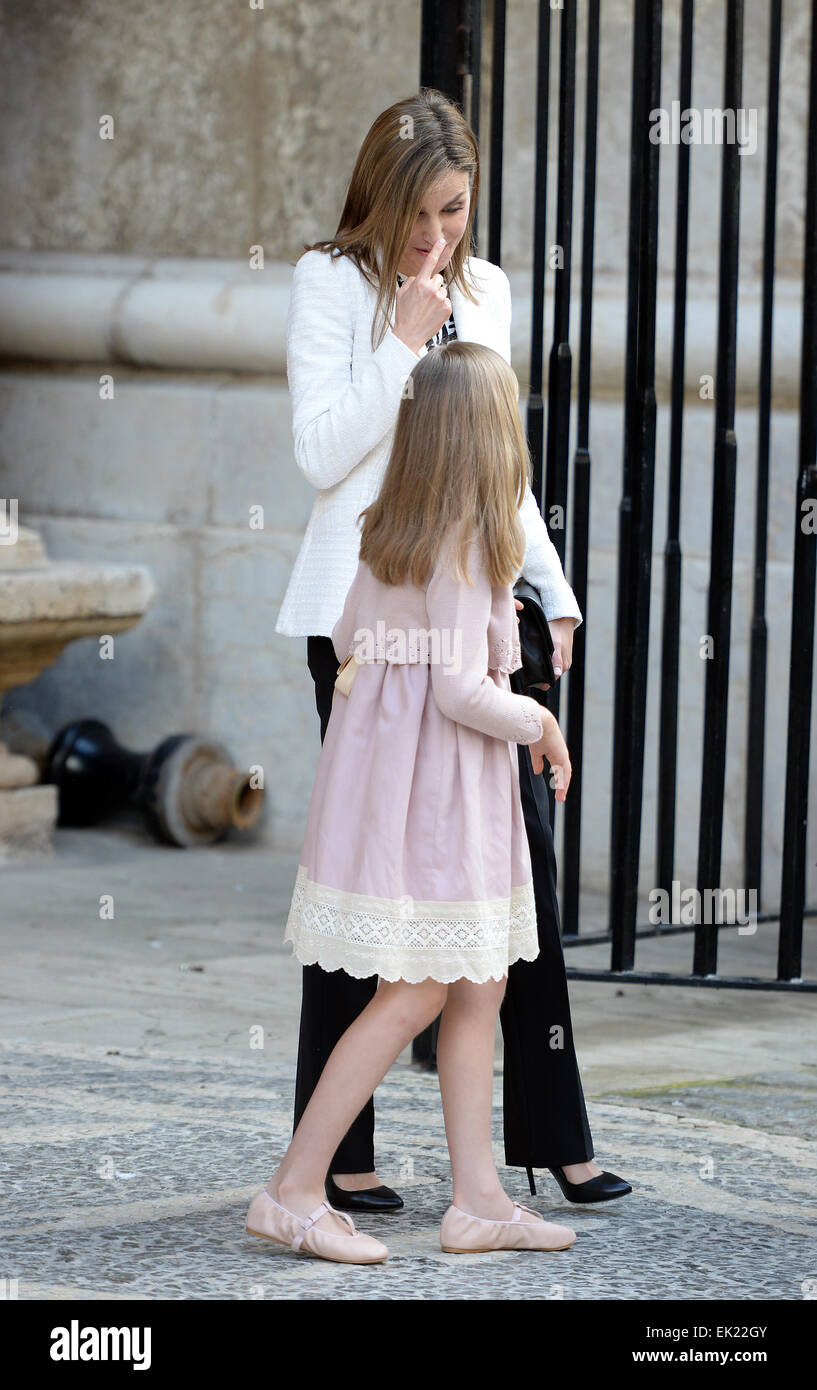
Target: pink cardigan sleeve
[{"x": 458, "y": 615}]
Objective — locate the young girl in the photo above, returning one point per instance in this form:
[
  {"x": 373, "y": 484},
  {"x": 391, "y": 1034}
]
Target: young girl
[{"x": 415, "y": 864}]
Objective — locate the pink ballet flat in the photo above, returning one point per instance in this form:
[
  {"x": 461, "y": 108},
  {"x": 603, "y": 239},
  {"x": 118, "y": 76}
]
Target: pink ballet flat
[
  {"x": 463, "y": 1234},
  {"x": 268, "y": 1219}
]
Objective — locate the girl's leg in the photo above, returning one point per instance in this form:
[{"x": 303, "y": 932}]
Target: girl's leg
[
  {"x": 359, "y": 1061},
  {"x": 465, "y": 1065}
]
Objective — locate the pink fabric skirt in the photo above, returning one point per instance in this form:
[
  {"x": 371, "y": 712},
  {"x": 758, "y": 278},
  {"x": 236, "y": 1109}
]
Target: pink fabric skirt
[{"x": 415, "y": 862}]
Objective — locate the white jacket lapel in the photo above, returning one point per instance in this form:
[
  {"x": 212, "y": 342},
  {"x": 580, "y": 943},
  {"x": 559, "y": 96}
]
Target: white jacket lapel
[{"x": 475, "y": 323}]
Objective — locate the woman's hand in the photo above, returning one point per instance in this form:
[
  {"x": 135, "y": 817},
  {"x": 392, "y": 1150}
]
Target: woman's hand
[
  {"x": 422, "y": 305},
  {"x": 561, "y": 630},
  {"x": 539, "y": 685},
  {"x": 553, "y": 747}
]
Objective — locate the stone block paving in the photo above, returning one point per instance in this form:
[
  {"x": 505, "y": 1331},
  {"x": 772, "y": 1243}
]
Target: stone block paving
[{"x": 128, "y": 1176}]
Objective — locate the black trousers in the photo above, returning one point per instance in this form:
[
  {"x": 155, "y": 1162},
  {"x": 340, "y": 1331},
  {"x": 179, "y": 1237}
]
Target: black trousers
[{"x": 545, "y": 1120}]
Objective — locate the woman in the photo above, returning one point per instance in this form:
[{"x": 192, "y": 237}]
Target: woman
[{"x": 396, "y": 280}]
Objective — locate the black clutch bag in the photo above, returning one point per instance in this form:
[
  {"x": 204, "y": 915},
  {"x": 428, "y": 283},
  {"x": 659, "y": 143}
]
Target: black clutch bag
[{"x": 535, "y": 641}]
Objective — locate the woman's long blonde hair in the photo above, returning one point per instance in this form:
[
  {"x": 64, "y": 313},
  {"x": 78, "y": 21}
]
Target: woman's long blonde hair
[
  {"x": 410, "y": 148},
  {"x": 459, "y": 459}
]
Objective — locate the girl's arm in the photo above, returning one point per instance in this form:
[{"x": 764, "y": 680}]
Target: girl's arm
[
  {"x": 458, "y": 616},
  {"x": 335, "y": 421}
]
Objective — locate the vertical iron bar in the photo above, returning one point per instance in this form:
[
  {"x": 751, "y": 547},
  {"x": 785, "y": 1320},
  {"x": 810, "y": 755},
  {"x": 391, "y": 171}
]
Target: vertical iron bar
[
  {"x": 497, "y": 134},
  {"x": 793, "y": 878},
  {"x": 561, "y": 362},
  {"x": 580, "y": 537},
  {"x": 636, "y": 510},
  {"x": 535, "y": 407},
  {"x": 625, "y": 638},
  {"x": 439, "y": 48},
  {"x": 472, "y": 45},
  {"x": 560, "y": 365},
  {"x": 713, "y": 777},
  {"x": 756, "y": 723},
  {"x": 668, "y": 717}
]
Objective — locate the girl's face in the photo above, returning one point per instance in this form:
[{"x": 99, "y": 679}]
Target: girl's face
[{"x": 444, "y": 214}]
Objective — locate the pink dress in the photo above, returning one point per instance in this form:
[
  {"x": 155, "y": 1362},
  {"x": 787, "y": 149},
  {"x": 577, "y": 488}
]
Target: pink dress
[{"x": 415, "y": 860}]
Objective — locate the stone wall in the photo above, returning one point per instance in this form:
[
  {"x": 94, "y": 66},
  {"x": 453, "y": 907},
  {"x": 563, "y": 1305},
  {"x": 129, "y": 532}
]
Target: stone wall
[{"x": 237, "y": 127}]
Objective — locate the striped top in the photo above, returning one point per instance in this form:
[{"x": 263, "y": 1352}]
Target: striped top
[{"x": 444, "y": 334}]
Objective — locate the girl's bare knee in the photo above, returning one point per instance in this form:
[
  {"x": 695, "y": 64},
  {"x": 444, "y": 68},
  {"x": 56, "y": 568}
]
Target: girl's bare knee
[
  {"x": 414, "y": 1005},
  {"x": 486, "y": 994}
]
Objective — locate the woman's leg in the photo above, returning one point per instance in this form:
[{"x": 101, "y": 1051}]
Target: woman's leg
[
  {"x": 359, "y": 1061},
  {"x": 545, "y": 1116},
  {"x": 331, "y": 1000},
  {"x": 465, "y": 1065}
]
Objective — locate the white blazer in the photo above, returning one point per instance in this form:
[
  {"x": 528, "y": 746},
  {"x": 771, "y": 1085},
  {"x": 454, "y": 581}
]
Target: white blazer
[{"x": 345, "y": 400}]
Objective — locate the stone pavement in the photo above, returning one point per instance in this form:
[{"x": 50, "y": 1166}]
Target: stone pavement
[{"x": 140, "y": 1112}]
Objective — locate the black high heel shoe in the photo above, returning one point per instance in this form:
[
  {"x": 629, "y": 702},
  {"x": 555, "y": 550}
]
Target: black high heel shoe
[
  {"x": 603, "y": 1188},
  {"x": 373, "y": 1199}
]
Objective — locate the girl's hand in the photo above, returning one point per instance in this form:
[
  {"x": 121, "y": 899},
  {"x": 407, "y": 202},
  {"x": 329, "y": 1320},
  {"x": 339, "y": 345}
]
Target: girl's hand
[
  {"x": 553, "y": 747},
  {"x": 422, "y": 305}
]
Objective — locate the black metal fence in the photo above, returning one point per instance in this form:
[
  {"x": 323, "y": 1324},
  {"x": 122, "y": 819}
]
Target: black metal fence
[{"x": 452, "y": 61}]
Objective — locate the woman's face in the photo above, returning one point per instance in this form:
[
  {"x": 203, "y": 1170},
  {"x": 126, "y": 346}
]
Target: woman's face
[{"x": 444, "y": 213}]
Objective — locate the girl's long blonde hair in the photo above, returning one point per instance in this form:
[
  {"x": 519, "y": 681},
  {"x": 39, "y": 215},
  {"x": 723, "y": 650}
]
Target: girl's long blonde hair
[
  {"x": 459, "y": 459},
  {"x": 411, "y": 146}
]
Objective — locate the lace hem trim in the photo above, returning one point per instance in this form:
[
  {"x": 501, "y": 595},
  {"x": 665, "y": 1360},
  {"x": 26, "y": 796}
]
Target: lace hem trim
[{"x": 405, "y": 939}]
